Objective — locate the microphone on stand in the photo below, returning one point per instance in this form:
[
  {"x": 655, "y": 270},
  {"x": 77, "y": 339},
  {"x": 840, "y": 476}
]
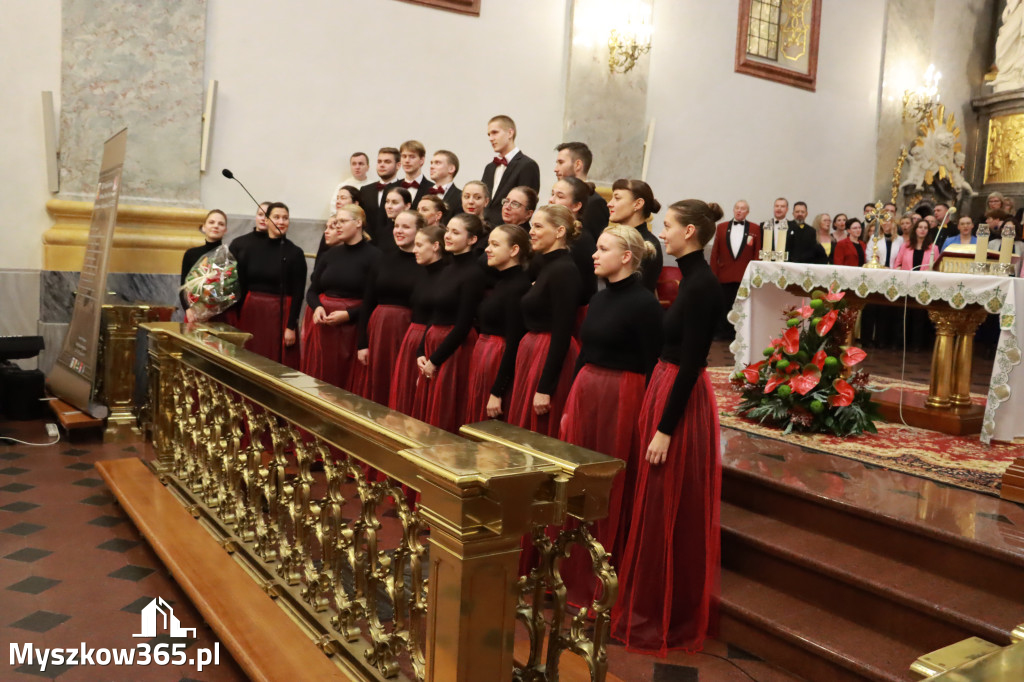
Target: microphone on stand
[{"x": 231, "y": 176}]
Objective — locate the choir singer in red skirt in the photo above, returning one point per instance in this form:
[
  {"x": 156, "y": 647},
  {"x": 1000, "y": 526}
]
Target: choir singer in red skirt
[
  {"x": 620, "y": 341},
  {"x": 272, "y": 276},
  {"x": 547, "y": 353},
  {"x": 334, "y": 299},
  {"x": 501, "y": 325},
  {"x": 668, "y": 578}
]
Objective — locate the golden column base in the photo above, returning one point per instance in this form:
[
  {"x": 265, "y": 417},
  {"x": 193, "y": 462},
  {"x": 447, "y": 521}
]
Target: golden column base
[
  {"x": 966, "y": 326},
  {"x": 941, "y": 384},
  {"x": 147, "y": 239}
]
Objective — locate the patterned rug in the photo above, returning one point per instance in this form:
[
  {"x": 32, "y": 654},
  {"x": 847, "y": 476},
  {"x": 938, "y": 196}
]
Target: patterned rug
[{"x": 962, "y": 461}]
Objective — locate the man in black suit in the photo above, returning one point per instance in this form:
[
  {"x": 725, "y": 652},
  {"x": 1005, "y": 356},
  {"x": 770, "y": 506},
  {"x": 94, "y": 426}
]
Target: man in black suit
[
  {"x": 509, "y": 168},
  {"x": 800, "y": 241},
  {"x": 371, "y": 196},
  {"x": 444, "y": 166},
  {"x": 573, "y": 161},
  {"x": 413, "y": 154}
]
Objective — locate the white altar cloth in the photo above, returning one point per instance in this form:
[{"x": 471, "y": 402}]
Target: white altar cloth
[{"x": 757, "y": 317}]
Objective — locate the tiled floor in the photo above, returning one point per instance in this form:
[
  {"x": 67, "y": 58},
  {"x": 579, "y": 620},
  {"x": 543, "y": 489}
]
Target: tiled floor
[{"x": 74, "y": 569}]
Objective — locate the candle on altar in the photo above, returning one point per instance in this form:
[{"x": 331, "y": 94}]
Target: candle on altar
[
  {"x": 1006, "y": 245},
  {"x": 769, "y": 228},
  {"x": 981, "y": 250},
  {"x": 780, "y": 240}
]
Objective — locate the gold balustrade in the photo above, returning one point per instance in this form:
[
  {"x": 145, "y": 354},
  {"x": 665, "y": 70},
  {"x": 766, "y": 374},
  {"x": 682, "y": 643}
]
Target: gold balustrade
[{"x": 313, "y": 491}]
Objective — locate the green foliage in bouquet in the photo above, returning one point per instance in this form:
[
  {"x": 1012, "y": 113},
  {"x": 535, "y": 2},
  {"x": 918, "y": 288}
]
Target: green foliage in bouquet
[{"x": 806, "y": 381}]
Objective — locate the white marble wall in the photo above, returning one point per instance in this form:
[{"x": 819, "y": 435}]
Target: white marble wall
[
  {"x": 140, "y": 65},
  {"x": 607, "y": 111},
  {"x": 957, "y": 36}
]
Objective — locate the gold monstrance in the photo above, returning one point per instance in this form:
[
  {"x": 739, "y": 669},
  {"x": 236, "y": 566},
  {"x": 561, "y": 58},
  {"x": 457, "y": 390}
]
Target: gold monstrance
[{"x": 877, "y": 215}]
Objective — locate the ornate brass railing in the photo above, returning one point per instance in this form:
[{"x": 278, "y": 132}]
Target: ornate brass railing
[{"x": 313, "y": 491}]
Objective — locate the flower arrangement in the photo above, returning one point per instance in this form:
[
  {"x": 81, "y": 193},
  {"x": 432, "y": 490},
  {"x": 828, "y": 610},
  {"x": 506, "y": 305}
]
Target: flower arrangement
[
  {"x": 806, "y": 381},
  {"x": 211, "y": 286}
]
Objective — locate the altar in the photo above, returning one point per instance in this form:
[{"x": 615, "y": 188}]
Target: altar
[{"x": 768, "y": 287}]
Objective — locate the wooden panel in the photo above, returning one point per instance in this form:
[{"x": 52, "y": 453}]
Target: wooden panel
[
  {"x": 462, "y": 6},
  {"x": 260, "y": 636}
]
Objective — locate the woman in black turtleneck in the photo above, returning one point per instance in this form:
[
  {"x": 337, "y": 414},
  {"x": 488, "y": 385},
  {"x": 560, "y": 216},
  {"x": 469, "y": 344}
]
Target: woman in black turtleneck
[
  {"x": 334, "y": 298},
  {"x": 501, "y": 324},
  {"x": 547, "y": 353},
  {"x": 673, "y": 546},
  {"x": 272, "y": 275},
  {"x": 448, "y": 344},
  {"x": 620, "y": 341},
  {"x": 213, "y": 228},
  {"x": 387, "y": 310},
  {"x": 573, "y": 193},
  {"x": 408, "y": 393},
  {"x": 632, "y": 203}
]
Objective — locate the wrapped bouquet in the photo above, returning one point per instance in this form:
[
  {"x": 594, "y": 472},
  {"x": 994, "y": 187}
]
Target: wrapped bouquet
[{"x": 211, "y": 286}]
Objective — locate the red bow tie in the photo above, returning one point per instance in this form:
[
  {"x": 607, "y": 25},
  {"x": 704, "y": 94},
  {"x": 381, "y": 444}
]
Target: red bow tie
[
  {"x": 415, "y": 184},
  {"x": 437, "y": 189},
  {"x": 381, "y": 186},
  {"x": 500, "y": 161}
]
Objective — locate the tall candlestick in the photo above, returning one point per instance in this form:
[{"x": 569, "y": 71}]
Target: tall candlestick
[
  {"x": 769, "y": 228},
  {"x": 981, "y": 250},
  {"x": 1006, "y": 245},
  {"x": 780, "y": 240}
]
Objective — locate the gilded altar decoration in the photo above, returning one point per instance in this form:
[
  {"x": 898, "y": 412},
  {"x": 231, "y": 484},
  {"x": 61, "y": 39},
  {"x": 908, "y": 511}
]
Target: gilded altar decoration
[
  {"x": 778, "y": 40},
  {"x": 1004, "y": 155},
  {"x": 806, "y": 381},
  {"x": 794, "y": 32},
  {"x": 936, "y": 159}
]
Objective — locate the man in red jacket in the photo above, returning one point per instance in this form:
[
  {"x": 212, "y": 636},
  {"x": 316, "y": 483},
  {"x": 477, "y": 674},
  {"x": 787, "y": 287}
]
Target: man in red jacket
[{"x": 737, "y": 242}]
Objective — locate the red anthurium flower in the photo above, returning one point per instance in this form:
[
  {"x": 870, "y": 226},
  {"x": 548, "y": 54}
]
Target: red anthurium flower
[
  {"x": 851, "y": 356},
  {"x": 819, "y": 360},
  {"x": 776, "y": 343},
  {"x": 807, "y": 381},
  {"x": 826, "y": 323},
  {"x": 845, "y": 395},
  {"x": 806, "y": 312},
  {"x": 791, "y": 340},
  {"x": 834, "y": 296},
  {"x": 751, "y": 372},
  {"x": 774, "y": 382}
]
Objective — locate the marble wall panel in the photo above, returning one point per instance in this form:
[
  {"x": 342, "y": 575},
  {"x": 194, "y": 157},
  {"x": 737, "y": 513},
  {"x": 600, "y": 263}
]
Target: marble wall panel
[
  {"x": 140, "y": 65},
  {"x": 607, "y": 111},
  {"x": 57, "y": 302}
]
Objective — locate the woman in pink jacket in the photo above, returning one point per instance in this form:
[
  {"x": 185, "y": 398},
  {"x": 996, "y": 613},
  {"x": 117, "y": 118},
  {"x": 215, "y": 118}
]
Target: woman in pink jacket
[{"x": 917, "y": 252}]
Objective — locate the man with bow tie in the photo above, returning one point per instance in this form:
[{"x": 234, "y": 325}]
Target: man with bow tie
[
  {"x": 800, "y": 237},
  {"x": 444, "y": 166},
  {"x": 412, "y": 156},
  {"x": 510, "y": 167},
  {"x": 371, "y": 196},
  {"x": 736, "y": 243}
]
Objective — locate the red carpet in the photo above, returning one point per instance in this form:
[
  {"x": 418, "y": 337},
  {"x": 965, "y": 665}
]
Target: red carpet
[{"x": 962, "y": 461}]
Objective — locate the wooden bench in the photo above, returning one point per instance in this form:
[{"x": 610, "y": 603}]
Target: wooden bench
[
  {"x": 260, "y": 635},
  {"x": 72, "y": 418}
]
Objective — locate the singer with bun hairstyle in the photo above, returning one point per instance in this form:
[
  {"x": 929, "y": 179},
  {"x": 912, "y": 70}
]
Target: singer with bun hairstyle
[
  {"x": 272, "y": 277},
  {"x": 213, "y": 228},
  {"x": 632, "y": 203},
  {"x": 619, "y": 345},
  {"x": 448, "y": 344},
  {"x": 408, "y": 392},
  {"x": 433, "y": 209},
  {"x": 574, "y": 194},
  {"x": 334, "y": 299},
  {"x": 475, "y": 197},
  {"x": 387, "y": 310},
  {"x": 501, "y": 325},
  {"x": 670, "y": 567},
  {"x": 547, "y": 353}
]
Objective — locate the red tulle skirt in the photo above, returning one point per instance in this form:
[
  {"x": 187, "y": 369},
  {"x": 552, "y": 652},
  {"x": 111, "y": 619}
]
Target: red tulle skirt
[
  {"x": 408, "y": 388},
  {"x": 602, "y": 414},
  {"x": 530, "y": 358},
  {"x": 386, "y": 328},
  {"x": 329, "y": 351},
  {"x": 263, "y": 317},
  {"x": 668, "y": 581},
  {"x": 446, "y": 390},
  {"x": 483, "y": 370}
]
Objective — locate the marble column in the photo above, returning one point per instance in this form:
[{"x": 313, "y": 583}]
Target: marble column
[
  {"x": 140, "y": 65},
  {"x": 607, "y": 111},
  {"x": 957, "y": 36}
]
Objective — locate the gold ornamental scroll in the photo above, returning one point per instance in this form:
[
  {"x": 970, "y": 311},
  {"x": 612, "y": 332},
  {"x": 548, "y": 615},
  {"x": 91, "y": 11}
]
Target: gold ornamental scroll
[
  {"x": 1004, "y": 153},
  {"x": 73, "y": 377}
]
